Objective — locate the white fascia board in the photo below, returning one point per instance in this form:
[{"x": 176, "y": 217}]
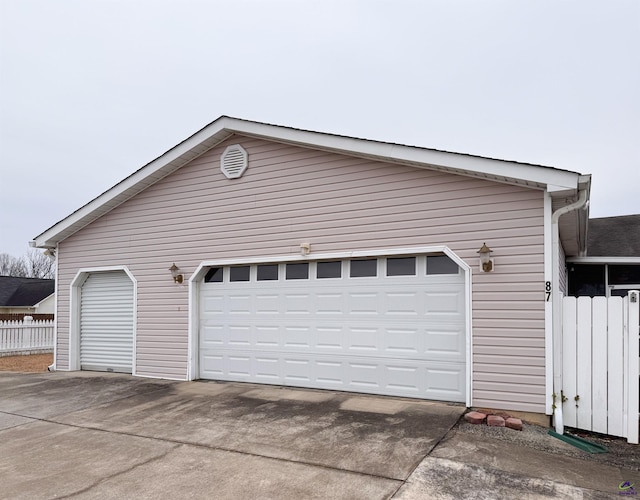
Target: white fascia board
[
  {"x": 225, "y": 126},
  {"x": 560, "y": 179},
  {"x": 558, "y": 191},
  {"x": 136, "y": 182},
  {"x": 36, "y": 305}
]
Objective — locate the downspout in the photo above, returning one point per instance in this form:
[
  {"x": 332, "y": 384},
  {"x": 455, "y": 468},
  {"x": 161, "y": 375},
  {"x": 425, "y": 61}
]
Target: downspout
[
  {"x": 557, "y": 305},
  {"x": 53, "y": 251}
]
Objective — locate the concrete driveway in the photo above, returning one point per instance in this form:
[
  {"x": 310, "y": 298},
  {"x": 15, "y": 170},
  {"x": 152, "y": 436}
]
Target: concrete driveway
[{"x": 92, "y": 435}]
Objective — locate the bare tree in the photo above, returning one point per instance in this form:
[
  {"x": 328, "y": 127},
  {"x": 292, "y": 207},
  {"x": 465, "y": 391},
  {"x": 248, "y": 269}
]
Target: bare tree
[
  {"x": 10, "y": 266},
  {"x": 39, "y": 265},
  {"x": 34, "y": 264}
]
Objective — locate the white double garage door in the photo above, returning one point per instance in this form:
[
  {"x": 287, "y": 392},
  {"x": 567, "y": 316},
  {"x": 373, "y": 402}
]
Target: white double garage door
[{"x": 392, "y": 326}]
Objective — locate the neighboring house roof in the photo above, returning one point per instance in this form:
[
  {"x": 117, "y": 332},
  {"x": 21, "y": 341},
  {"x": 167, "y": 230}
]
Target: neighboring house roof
[
  {"x": 614, "y": 236},
  {"x": 563, "y": 185},
  {"x": 24, "y": 292}
]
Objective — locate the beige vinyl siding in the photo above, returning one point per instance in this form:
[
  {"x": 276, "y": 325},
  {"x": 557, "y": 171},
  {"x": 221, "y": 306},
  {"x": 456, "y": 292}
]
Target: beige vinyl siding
[{"x": 338, "y": 203}]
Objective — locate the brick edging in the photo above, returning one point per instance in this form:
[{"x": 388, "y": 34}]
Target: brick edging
[{"x": 493, "y": 420}]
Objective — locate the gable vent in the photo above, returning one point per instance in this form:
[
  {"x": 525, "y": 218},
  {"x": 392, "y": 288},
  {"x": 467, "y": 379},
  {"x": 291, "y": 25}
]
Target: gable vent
[{"x": 234, "y": 161}]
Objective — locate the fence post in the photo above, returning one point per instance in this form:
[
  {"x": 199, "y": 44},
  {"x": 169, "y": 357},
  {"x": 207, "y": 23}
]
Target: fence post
[
  {"x": 26, "y": 332},
  {"x": 4, "y": 334},
  {"x": 633, "y": 368}
]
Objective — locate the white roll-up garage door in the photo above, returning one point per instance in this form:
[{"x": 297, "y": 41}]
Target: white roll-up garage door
[
  {"x": 106, "y": 322},
  {"x": 393, "y": 326}
]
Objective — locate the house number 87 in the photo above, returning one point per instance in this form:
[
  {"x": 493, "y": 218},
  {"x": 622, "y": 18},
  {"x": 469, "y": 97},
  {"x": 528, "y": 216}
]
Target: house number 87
[{"x": 547, "y": 290}]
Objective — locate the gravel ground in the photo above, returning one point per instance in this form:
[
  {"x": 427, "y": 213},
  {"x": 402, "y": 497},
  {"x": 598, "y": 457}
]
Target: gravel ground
[
  {"x": 620, "y": 453},
  {"x": 31, "y": 363}
]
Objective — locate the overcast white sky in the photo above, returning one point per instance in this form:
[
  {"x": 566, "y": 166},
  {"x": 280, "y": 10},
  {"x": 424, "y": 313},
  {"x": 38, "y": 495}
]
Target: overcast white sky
[{"x": 92, "y": 90}]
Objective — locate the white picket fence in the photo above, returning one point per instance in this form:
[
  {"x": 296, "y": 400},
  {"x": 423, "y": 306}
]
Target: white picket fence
[
  {"x": 600, "y": 365},
  {"x": 26, "y": 336}
]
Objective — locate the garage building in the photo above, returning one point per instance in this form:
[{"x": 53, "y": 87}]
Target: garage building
[{"x": 258, "y": 253}]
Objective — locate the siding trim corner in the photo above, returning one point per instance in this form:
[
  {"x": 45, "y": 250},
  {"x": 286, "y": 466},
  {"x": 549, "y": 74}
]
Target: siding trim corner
[
  {"x": 54, "y": 366},
  {"x": 548, "y": 306}
]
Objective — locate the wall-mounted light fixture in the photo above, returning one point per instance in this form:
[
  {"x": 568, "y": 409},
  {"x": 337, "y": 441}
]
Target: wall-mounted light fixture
[
  {"x": 305, "y": 248},
  {"x": 486, "y": 262},
  {"x": 176, "y": 273}
]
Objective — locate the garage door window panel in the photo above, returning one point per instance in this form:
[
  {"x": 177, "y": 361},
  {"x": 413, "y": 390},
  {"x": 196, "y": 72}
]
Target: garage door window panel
[
  {"x": 297, "y": 271},
  {"x": 214, "y": 275},
  {"x": 239, "y": 273},
  {"x": 363, "y": 268},
  {"x": 401, "y": 266},
  {"x": 329, "y": 269},
  {"x": 441, "y": 264},
  {"x": 268, "y": 272}
]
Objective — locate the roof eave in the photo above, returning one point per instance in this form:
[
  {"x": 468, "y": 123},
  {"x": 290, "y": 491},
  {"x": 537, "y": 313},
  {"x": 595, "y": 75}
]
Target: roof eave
[
  {"x": 398, "y": 153},
  {"x": 534, "y": 176},
  {"x": 144, "y": 177}
]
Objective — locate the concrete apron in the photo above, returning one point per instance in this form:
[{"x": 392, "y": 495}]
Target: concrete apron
[
  {"x": 113, "y": 436},
  {"x": 470, "y": 466}
]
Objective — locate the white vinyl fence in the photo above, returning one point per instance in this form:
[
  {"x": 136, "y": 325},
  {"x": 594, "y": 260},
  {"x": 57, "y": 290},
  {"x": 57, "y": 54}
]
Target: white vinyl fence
[
  {"x": 26, "y": 336},
  {"x": 600, "y": 364}
]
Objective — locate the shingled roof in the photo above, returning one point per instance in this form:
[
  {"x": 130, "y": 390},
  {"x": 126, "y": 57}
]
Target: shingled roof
[
  {"x": 24, "y": 292},
  {"x": 614, "y": 236}
]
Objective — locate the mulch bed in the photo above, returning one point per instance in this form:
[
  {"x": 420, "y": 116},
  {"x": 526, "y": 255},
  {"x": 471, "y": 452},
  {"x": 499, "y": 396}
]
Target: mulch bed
[{"x": 32, "y": 363}]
